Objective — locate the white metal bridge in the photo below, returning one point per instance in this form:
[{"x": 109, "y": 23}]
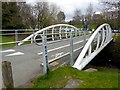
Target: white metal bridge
[
  {"x": 98, "y": 40},
  {"x": 56, "y": 43},
  {"x": 103, "y": 34}
]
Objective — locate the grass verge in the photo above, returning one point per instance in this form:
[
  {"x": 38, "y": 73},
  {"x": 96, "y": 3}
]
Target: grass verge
[
  {"x": 103, "y": 78},
  {"x": 117, "y": 38},
  {"x": 4, "y": 39}
]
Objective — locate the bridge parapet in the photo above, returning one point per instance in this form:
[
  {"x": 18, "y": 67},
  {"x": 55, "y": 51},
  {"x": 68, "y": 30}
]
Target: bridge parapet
[
  {"x": 60, "y": 30},
  {"x": 98, "y": 40}
]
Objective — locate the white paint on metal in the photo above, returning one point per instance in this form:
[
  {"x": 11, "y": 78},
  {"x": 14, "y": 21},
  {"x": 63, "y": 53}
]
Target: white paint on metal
[
  {"x": 66, "y": 32},
  {"x": 98, "y": 40},
  {"x": 9, "y": 50},
  {"x": 53, "y": 34},
  {"x": 15, "y": 54},
  {"x": 83, "y": 59},
  {"x": 60, "y": 33},
  {"x": 44, "y": 29}
]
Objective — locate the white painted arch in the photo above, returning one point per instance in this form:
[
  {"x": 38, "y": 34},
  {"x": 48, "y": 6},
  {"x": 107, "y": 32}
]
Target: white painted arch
[
  {"x": 103, "y": 34},
  {"x": 47, "y": 28}
]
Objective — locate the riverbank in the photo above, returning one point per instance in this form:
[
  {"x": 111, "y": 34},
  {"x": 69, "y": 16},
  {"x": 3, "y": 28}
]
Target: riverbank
[{"x": 102, "y": 78}]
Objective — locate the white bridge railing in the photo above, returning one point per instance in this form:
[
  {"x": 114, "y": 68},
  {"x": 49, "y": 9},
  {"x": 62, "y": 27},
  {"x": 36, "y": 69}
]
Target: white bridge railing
[
  {"x": 62, "y": 31},
  {"x": 54, "y": 30},
  {"x": 98, "y": 40}
]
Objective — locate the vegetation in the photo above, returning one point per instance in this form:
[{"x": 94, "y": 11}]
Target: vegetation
[
  {"x": 42, "y": 14},
  {"x": 61, "y": 17},
  {"x": 117, "y": 38},
  {"x": 19, "y": 15},
  {"x": 4, "y": 39},
  {"x": 112, "y": 15},
  {"x": 11, "y": 18},
  {"x": 103, "y": 78}
]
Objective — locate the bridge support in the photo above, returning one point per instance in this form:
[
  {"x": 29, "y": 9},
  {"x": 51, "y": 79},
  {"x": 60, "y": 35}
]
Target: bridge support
[
  {"x": 45, "y": 54},
  {"x": 53, "y": 34},
  {"x": 102, "y": 33},
  {"x": 84, "y": 37},
  {"x": 66, "y": 32},
  {"x": 16, "y": 37},
  {"x": 60, "y": 33},
  {"x": 71, "y": 49}
]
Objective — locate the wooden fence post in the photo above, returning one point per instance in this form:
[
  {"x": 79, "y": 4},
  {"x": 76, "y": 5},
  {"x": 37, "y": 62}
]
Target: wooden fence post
[{"x": 7, "y": 74}]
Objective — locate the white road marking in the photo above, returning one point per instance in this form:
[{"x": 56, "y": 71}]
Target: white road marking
[
  {"x": 57, "y": 55},
  {"x": 59, "y": 47},
  {"x": 52, "y": 60},
  {"x": 15, "y": 54},
  {"x": 9, "y": 50},
  {"x": 40, "y": 53}
]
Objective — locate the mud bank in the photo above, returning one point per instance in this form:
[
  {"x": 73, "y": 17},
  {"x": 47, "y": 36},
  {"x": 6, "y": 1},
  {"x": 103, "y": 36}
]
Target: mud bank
[{"x": 108, "y": 57}]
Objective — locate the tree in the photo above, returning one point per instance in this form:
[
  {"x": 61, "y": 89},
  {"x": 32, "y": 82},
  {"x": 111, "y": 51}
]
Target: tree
[
  {"x": 21, "y": 15},
  {"x": 27, "y": 15},
  {"x": 113, "y": 7},
  {"x": 61, "y": 17},
  {"x": 89, "y": 12},
  {"x": 45, "y": 14},
  {"x": 54, "y": 10},
  {"x": 0, "y": 15},
  {"x": 77, "y": 17},
  {"x": 98, "y": 19},
  {"x": 11, "y": 18}
]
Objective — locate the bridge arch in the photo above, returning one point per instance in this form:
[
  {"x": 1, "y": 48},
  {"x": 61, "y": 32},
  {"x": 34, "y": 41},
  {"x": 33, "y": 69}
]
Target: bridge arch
[
  {"x": 102, "y": 35},
  {"x": 67, "y": 26}
]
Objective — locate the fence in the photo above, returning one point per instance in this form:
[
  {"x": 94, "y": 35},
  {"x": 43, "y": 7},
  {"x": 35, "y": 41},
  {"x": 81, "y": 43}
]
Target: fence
[{"x": 15, "y": 36}]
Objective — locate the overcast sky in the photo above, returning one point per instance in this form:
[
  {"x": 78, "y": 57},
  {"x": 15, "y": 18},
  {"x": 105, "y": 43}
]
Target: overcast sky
[{"x": 68, "y": 6}]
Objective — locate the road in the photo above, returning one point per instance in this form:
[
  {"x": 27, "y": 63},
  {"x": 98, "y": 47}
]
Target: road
[{"x": 26, "y": 59}]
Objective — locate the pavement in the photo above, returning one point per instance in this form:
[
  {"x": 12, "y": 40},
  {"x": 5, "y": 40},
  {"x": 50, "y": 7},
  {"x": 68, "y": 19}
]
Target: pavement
[{"x": 26, "y": 59}]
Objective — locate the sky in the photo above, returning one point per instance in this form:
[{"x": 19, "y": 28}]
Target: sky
[{"x": 68, "y": 6}]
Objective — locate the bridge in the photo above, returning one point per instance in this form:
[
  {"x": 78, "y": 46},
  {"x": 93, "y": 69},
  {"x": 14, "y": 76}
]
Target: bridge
[{"x": 59, "y": 44}]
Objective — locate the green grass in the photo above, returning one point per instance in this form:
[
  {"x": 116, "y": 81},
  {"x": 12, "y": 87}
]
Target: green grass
[
  {"x": 117, "y": 38},
  {"x": 4, "y": 39},
  {"x": 104, "y": 78}
]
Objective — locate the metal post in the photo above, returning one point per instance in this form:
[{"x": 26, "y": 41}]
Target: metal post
[
  {"x": 32, "y": 39},
  {"x": 76, "y": 31},
  {"x": 71, "y": 49},
  {"x": 107, "y": 33},
  {"x": 79, "y": 31},
  {"x": 84, "y": 36},
  {"x": 16, "y": 37},
  {"x": 60, "y": 33},
  {"x": 45, "y": 54},
  {"x": 89, "y": 50},
  {"x": 53, "y": 34},
  {"x": 98, "y": 40},
  {"x": 103, "y": 37},
  {"x": 66, "y": 32}
]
